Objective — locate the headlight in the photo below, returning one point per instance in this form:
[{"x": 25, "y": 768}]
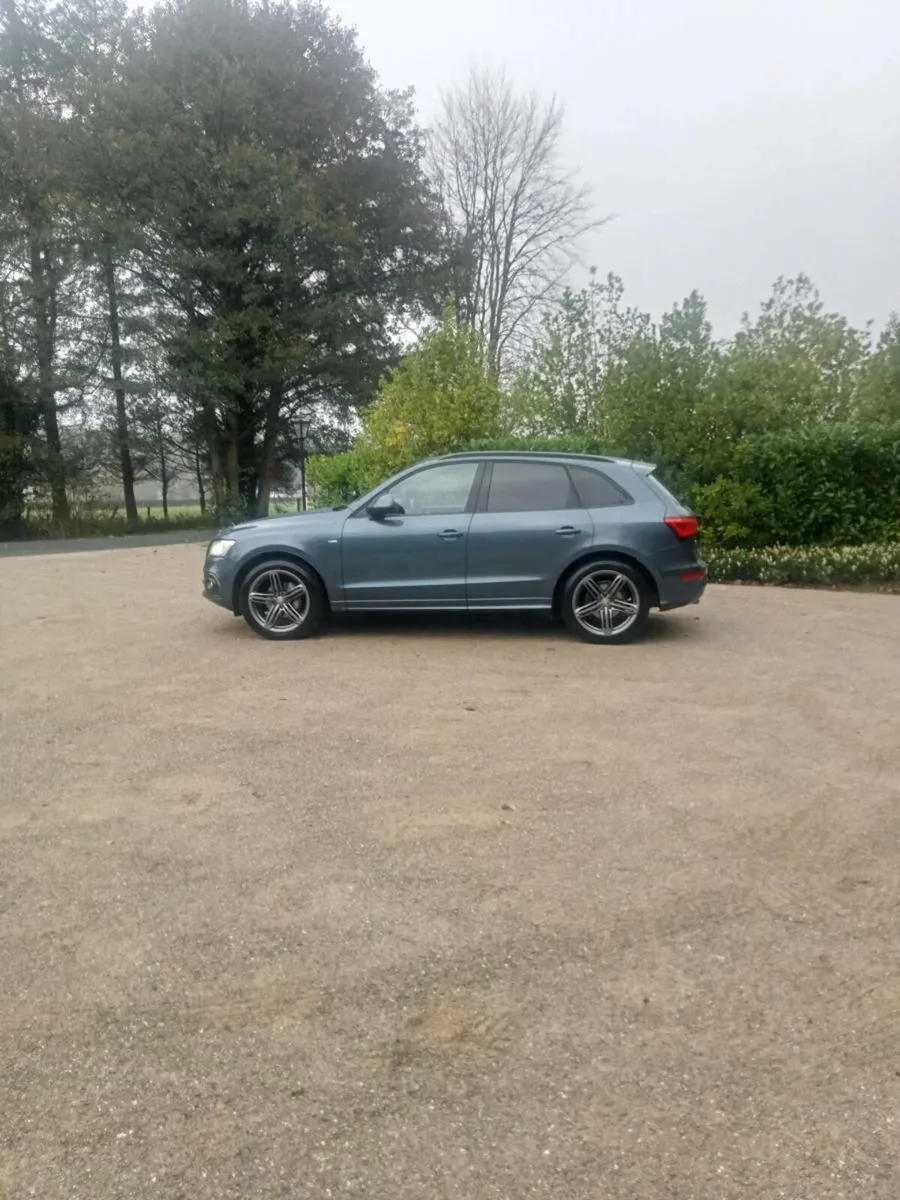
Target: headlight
[{"x": 219, "y": 547}]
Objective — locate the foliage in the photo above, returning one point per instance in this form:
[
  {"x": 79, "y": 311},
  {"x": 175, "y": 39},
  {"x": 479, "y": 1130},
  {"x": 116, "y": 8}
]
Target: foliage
[
  {"x": 440, "y": 398},
  {"x": 781, "y": 435},
  {"x": 811, "y": 566},
  {"x": 586, "y": 345},
  {"x": 659, "y": 393},
  {"x": 796, "y": 364},
  {"x": 214, "y": 219},
  {"x": 832, "y": 485},
  {"x": 670, "y": 392},
  {"x": 880, "y": 377},
  {"x": 339, "y": 479},
  {"x": 545, "y": 443},
  {"x": 306, "y": 227}
]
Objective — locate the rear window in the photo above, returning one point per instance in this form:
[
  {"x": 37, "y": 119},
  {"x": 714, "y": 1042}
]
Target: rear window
[{"x": 597, "y": 490}]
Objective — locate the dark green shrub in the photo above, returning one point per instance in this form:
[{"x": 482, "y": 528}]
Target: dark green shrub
[{"x": 832, "y": 486}]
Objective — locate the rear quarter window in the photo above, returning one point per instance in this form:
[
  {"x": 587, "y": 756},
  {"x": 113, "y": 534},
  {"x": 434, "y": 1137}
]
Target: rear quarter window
[
  {"x": 670, "y": 501},
  {"x": 596, "y": 490}
]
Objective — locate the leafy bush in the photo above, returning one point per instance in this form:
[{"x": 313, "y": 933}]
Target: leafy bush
[
  {"x": 340, "y": 478},
  {"x": 806, "y": 565},
  {"x": 833, "y": 485},
  {"x": 439, "y": 398}
]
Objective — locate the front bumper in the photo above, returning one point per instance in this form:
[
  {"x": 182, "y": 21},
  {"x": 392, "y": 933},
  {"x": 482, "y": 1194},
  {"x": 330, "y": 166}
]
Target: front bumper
[{"x": 217, "y": 582}]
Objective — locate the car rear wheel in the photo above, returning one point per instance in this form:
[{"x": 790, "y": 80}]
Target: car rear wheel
[
  {"x": 606, "y": 602},
  {"x": 282, "y": 600}
]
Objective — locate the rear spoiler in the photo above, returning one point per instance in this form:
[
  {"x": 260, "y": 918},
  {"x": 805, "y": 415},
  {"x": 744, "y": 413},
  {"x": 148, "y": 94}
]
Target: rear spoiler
[{"x": 642, "y": 468}]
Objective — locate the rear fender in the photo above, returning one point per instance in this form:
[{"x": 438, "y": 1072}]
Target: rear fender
[{"x": 608, "y": 554}]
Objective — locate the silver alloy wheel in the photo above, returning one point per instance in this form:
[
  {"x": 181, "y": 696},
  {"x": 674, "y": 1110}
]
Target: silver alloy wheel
[
  {"x": 279, "y": 600},
  {"x": 606, "y": 602}
]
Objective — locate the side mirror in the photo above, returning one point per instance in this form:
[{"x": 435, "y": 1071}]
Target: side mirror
[{"x": 384, "y": 506}]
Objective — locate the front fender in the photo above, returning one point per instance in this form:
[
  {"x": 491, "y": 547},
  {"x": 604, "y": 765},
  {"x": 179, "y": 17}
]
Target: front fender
[{"x": 308, "y": 555}]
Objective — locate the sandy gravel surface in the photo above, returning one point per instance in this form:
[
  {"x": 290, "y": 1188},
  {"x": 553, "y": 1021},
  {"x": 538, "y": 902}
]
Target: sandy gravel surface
[{"x": 435, "y": 911}]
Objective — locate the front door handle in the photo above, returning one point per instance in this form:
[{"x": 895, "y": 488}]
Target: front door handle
[
  {"x": 449, "y": 535},
  {"x": 567, "y": 531}
]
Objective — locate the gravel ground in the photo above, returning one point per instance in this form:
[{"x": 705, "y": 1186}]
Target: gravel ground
[{"x": 428, "y": 910}]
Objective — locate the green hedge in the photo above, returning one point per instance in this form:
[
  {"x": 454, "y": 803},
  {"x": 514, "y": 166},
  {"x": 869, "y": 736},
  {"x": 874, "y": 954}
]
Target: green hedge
[
  {"x": 338, "y": 478},
  {"x": 812, "y": 566},
  {"x": 832, "y": 486}
]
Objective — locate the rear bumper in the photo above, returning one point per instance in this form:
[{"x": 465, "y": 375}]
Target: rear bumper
[{"x": 682, "y": 587}]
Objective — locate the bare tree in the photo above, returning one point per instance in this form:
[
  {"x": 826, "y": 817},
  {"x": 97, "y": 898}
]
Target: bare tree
[{"x": 515, "y": 213}]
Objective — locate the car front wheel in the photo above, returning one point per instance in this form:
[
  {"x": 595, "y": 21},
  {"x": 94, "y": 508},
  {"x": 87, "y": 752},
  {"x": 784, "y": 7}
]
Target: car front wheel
[
  {"x": 606, "y": 602},
  {"x": 282, "y": 600}
]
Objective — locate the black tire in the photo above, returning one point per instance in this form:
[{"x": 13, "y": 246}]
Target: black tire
[
  {"x": 295, "y": 592},
  {"x": 622, "y": 599}
]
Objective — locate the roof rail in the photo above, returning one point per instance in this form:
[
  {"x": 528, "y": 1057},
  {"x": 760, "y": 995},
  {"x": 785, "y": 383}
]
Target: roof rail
[{"x": 532, "y": 453}]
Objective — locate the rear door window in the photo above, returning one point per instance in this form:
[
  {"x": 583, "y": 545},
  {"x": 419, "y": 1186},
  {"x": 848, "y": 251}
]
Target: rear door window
[{"x": 530, "y": 487}]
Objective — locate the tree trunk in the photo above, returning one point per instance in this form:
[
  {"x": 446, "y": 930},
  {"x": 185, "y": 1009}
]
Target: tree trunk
[
  {"x": 41, "y": 285},
  {"x": 217, "y": 471},
  {"x": 198, "y": 468},
  {"x": 125, "y": 463},
  {"x": 40, "y": 299},
  {"x": 232, "y": 468},
  {"x": 163, "y": 467},
  {"x": 13, "y": 460},
  {"x": 267, "y": 462}
]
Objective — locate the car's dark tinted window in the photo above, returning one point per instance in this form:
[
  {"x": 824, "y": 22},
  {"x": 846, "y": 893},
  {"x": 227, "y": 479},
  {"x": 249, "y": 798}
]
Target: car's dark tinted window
[
  {"x": 596, "y": 490},
  {"x": 530, "y": 487}
]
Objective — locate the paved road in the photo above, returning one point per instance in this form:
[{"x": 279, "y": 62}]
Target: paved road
[
  {"x": 79, "y": 545},
  {"x": 421, "y": 911}
]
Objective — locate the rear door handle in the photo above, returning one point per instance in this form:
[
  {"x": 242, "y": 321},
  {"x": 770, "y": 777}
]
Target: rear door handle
[
  {"x": 449, "y": 535},
  {"x": 567, "y": 531}
]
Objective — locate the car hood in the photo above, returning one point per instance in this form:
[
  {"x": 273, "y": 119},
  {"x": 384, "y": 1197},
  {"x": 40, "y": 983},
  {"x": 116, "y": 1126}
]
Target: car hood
[{"x": 315, "y": 519}]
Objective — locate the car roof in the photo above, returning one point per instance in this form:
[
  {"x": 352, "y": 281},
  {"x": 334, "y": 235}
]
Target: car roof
[{"x": 553, "y": 455}]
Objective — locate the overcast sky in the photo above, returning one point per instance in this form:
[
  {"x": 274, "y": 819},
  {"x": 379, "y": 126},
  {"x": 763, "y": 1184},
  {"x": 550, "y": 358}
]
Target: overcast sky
[{"x": 734, "y": 140}]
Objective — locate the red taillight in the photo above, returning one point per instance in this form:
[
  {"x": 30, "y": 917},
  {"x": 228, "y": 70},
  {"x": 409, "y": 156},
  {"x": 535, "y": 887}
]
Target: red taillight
[
  {"x": 693, "y": 576},
  {"x": 683, "y": 527}
]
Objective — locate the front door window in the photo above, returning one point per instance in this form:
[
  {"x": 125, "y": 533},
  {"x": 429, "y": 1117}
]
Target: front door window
[{"x": 443, "y": 490}]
